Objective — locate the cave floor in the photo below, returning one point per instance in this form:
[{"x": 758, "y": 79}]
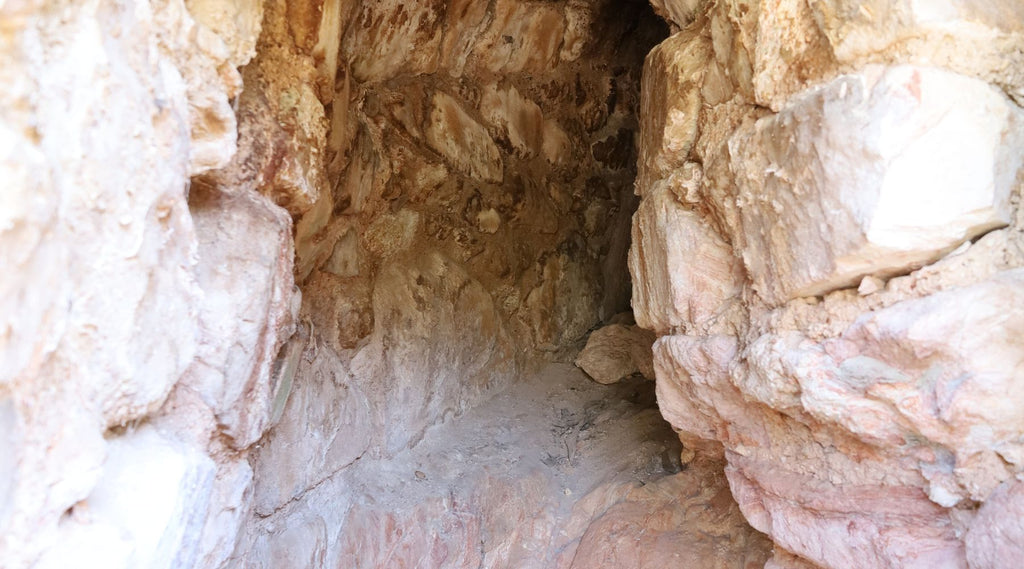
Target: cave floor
[{"x": 555, "y": 472}]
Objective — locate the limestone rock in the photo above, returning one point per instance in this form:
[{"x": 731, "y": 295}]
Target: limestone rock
[
  {"x": 644, "y": 530},
  {"x": 799, "y": 491},
  {"x": 996, "y": 537},
  {"x": 566, "y": 495},
  {"x": 820, "y": 210},
  {"x": 106, "y": 111},
  {"x": 521, "y": 37},
  {"x": 245, "y": 267},
  {"x": 617, "y": 351},
  {"x": 229, "y": 505},
  {"x": 325, "y": 426},
  {"x": 149, "y": 506},
  {"x": 981, "y": 39},
  {"x": 672, "y": 80},
  {"x": 420, "y": 299},
  {"x": 684, "y": 274},
  {"x": 679, "y": 12},
  {"x": 920, "y": 408},
  {"x": 381, "y": 43},
  {"x": 462, "y": 140}
]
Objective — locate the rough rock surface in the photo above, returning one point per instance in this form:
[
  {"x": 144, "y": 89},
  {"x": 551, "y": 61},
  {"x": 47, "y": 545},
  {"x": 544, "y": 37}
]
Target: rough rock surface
[
  {"x": 118, "y": 300},
  {"x": 554, "y": 472},
  {"x": 617, "y": 351},
  {"x": 829, "y": 245},
  {"x": 864, "y": 382},
  {"x": 883, "y": 205}
]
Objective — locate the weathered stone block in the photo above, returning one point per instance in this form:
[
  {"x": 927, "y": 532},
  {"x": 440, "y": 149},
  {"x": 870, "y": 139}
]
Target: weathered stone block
[
  {"x": 684, "y": 274},
  {"x": 671, "y": 102},
  {"x": 617, "y": 351},
  {"x": 147, "y": 510},
  {"x": 977, "y": 38},
  {"x": 875, "y": 174},
  {"x": 245, "y": 267}
]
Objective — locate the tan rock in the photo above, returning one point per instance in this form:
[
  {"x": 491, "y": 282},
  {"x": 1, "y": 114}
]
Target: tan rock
[
  {"x": 462, "y": 140},
  {"x": 980, "y": 39},
  {"x": 521, "y": 37},
  {"x": 380, "y": 41},
  {"x": 671, "y": 100},
  {"x": 617, "y": 351},
  {"x": 518, "y": 118},
  {"x": 679, "y": 12}
]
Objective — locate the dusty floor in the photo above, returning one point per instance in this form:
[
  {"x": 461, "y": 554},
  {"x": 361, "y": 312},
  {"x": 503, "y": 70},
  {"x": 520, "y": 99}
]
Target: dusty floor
[{"x": 557, "y": 471}]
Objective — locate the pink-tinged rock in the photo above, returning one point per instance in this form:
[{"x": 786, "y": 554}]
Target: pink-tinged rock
[
  {"x": 843, "y": 525},
  {"x": 941, "y": 371},
  {"x": 815, "y": 490},
  {"x": 684, "y": 274},
  {"x": 245, "y": 267},
  {"x": 685, "y": 520},
  {"x": 617, "y": 351},
  {"x": 694, "y": 392},
  {"x": 425, "y": 298},
  {"x": 435, "y": 533},
  {"x": 782, "y": 559},
  {"x": 325, "y": 426},
  {"x": 995, "y": 539},
  {"x": 932, "y": 165},
  {"x": 962, "y": 353}
]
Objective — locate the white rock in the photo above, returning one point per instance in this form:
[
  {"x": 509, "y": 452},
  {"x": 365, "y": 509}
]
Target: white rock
[
  {"x": 147, "y": 511},
  {"x": 230, "y": 505},
  {"x": 684, "y": 274},
  {"x": 325, "y": 427},
  {"x": 245, "y": 267},
  {"x": 876, "y": 173}
]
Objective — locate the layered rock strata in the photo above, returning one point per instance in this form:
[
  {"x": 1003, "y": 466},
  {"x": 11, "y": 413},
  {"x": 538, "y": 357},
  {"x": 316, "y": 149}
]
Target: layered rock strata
[{"x": 829, "y": 246}]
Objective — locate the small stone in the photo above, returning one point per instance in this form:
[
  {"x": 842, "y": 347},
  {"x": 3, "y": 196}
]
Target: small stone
[
  {"x": 616, "y": 352},
  {"x": 488, "y": 221},
  {"x": 870, "y": 285}
]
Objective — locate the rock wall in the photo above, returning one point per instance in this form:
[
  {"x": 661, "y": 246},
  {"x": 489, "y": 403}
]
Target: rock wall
[
  {"x": 449, "y": 183},
  {"x": 142, "y": 316},
  {"x": 462, "y": 204},
  {"x": 829, "y": 245}
]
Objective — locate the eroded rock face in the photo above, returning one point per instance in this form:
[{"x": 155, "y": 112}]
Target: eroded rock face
[
  {"x": 861, "y": 386},
  {"x": 114, "y": 303},
  {"x": 480, "y": 161},
  {"x": 933, "y": 163},
  {"x": 828, "y": 247},
  {"x": 556, "y": 471}
]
